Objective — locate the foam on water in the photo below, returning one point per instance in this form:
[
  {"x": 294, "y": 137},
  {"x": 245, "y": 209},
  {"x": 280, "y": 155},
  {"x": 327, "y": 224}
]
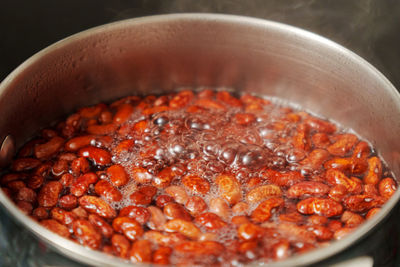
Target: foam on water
[{"x": 208, "y": 143}]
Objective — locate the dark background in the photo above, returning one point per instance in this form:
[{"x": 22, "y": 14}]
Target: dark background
[{"x": 371, "y": 28}]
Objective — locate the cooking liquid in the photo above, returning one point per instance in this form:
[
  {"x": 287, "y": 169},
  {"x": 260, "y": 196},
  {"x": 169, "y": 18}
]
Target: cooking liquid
[{"x": 243, "y": 137}]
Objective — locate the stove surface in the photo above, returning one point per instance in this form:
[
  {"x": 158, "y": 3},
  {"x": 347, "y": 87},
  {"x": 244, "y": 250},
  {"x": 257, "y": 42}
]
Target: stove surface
[{"x": 368, "y": 27}]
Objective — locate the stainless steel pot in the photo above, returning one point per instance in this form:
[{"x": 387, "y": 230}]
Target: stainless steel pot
[{"x": 160, "y": 53}]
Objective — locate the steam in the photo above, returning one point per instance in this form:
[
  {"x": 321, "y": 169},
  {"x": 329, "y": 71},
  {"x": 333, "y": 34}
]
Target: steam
[{"x": 367, "y": 27}]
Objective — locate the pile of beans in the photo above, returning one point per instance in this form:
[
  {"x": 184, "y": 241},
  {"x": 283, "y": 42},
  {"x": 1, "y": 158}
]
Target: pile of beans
[{"x": 198, "y": 178}]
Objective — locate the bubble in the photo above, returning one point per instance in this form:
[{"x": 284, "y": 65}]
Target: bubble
[
  {"x": 293, "y": 167},
  {"x": 306, "y": 171},
  {"x": 160, "y": 153},
  {"x": 138, "y": 142},
  {"x": 161, "y": 121},
  {"x": 270, "y": 144},
  {"x": 103, "y": 176},
  {"x": 265, "y": 131},
  {"x": 249, "y": 158},
  {"x": 177, "y": 149},
  {"x": 178, "y": 169},
  {"x": 194, "y": 123},
  {"x": 251, "y": 138},
  {"x": 228, "y": 154},
  {"x": 215, "y": 166},
  {"x": 242, "y": 174},
  {"x": 211, "y": 149},
  {"x": 278, "y": 162},
  {"x": 192, "y": 155},
  {"x": 208, "y": 144},
  {"x": 295, "y": 155},
  {"x": 208, "y": 174},
  {"x": 209, "y": 136}
]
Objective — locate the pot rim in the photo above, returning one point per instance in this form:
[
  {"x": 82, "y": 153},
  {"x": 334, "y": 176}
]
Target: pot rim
[{"x": 96, "y": 258}]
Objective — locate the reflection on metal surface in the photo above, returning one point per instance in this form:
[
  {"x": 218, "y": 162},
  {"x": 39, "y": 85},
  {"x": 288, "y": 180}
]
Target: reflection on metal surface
[
  {"x": 18, "y": 247},
  {"x": 7, "y": 151},
  {"x": 363, "y": 261}
]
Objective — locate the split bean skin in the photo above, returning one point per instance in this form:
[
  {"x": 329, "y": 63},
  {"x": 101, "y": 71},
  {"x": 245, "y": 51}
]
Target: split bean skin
[{"x": 198, "y": 177}]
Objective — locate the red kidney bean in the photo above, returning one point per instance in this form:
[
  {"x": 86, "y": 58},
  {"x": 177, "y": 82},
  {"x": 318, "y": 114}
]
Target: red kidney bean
[
  {"x": 40, "y": 213},
  {"x": 81, "y": 185},
  {"x": 162, "y": 179},
  {"x": 282, "y": 179},
  {"x": 186, "y": 228},
  {"x": 13, "y": 177},
  {"x": 120, "y": 245},
  {"x": 162, "y": 200},
  {"x": 48, "y": 195},
  {"x": 210, "y": 221},
  {"x": 62, "y": 216},
  {"x": 264, "y": 211},
  {"x": 387, "y": 187},
  {"x": 176, "y": 211},
  {"x": 66, "y": 180},
  {"x": 319, "y": 206},
  {"x": 35, "y": 181},
  {"x": 128, "y": 226},
  {"x": 196, "y": 205},
  {"x": 99, "y": 156},
  {"x": 76, "y": 143},
  {"x": 200, "y": 248},
  {"x": 362, "y": 203},
  {"x": 336, "y": 177},
  {"x": 262, "y": 192},
  {"x": 140, "y": 214},
  {"x": 101, "y": 129},
  {"x": 26, "y": 194},
  {"x": 107, "y": 191},
  {"x": 351, "y": 219},
  {"x": 161, "y": 256},
  {"x": 307, "y": 188},
  {"x": 181, "y": 99},
  {"x": 229, "y": 188},
  {"x": 98, "y": 206},
  {"x": 101, "y": 225},
  {"x": 25, "y": 164},
  {"x": 343, "y": 144},
  {"x": 56, "y": 227},
  {"x": 80, "y": 166},
  {"x": 374, "y": 171},
  {"x": 68, "y": 202},
  {"x": 25, "y": 206},
  {"x": 117, "y": 175},
  {"x": 86, "y": 233},
  {"x": 50, "y": 148},
  {"x": 177, "y": 193},
  {"x": 123, "y": 113},
  {"x": 27, "y": 149},
  {"x": 141, "y": 251}
]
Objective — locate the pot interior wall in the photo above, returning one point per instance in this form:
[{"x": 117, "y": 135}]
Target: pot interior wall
[{"x": 154, "y": 57}]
